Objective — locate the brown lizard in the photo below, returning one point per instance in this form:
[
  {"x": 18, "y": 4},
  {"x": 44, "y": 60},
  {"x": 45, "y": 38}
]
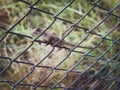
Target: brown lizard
[{"x": 52, "y": 39}]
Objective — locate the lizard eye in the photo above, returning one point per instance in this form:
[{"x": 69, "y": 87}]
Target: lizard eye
[{"x": 38, "y": 30}]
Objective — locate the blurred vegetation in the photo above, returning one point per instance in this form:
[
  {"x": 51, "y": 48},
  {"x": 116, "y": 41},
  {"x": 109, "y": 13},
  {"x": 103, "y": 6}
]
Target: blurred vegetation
[{"x": 12, "y": 10}]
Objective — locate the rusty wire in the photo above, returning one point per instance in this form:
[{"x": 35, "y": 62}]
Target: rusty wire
[{"x": 102, "y": 81}]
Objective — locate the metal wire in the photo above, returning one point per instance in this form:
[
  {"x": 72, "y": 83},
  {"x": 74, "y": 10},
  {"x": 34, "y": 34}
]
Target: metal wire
[{"x": 106, "y": 78}]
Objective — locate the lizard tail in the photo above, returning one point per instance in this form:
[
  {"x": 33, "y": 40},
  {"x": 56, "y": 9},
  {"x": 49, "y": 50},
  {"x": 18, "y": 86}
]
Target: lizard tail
[{"x": 73, "y": 45}]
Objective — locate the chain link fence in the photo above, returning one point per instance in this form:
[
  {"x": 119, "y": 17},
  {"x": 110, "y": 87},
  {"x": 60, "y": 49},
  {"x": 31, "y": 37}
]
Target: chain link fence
[{"x": 30, "y": 63}]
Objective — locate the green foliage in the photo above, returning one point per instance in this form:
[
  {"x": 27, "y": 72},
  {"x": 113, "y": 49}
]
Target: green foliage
[{"x": 13, "y": 45}]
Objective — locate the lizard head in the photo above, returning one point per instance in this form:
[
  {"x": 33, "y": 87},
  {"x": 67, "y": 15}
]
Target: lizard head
[{"x": 37, "y": 31}]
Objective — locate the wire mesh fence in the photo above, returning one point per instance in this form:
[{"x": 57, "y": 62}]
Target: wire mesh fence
[{"x": 49, "y": 63}]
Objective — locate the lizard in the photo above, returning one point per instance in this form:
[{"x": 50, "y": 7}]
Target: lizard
[{"x": 52, "y": 39}]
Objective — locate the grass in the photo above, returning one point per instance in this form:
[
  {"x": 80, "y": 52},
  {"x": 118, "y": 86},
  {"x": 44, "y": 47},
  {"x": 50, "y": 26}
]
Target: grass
[{"x": 13, "y": 45}]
